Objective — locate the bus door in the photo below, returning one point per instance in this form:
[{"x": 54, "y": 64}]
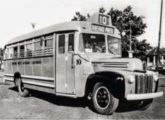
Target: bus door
[{"x": 65, "y": 73}]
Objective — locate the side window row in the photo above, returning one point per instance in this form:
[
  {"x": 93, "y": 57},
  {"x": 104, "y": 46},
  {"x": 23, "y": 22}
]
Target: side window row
[
  {"x": 41, "y": 46},
  {"x": 38, "y": 47}
]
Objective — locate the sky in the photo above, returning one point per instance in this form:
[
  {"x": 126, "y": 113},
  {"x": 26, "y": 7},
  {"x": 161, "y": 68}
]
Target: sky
[{"x": 17, "y": 15}]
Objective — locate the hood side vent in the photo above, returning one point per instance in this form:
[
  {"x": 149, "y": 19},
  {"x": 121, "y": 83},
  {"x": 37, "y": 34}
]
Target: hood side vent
[{"x": 116, "y": 64}]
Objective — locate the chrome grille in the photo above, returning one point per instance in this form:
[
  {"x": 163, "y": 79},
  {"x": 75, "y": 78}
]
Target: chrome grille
[{"x": 143, "y": 84}]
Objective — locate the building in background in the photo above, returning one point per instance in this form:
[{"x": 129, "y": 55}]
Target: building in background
[{"x": 151, "y": 58}]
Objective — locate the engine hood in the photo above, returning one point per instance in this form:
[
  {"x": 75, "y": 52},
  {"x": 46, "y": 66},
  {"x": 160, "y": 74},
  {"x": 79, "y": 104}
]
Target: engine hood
[{"x": 118, "y": 63}]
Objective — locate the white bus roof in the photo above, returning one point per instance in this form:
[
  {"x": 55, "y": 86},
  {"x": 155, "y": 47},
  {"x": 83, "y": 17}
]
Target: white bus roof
[
  {"x": 98, "y": 23},
  {"x": 67, "y": 26}
]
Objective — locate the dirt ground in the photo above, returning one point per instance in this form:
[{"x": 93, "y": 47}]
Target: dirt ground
[{"x": 47, "y": 106}]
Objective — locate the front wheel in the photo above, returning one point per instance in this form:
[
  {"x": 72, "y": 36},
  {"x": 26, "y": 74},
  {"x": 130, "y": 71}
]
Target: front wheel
[
  {"x": 22, "y": 91},
  {"x": 103, "y": 101}
]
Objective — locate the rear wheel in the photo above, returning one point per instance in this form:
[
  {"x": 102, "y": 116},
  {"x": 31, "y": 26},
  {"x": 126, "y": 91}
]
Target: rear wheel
[
  {"x": 22, "y": 91},
  {"x": 103, "y": 101}
]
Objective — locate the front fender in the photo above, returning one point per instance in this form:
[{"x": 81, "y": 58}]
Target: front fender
[{"x": 113, "y": 80}]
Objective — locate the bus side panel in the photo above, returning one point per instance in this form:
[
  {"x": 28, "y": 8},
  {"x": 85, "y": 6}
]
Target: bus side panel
[
  {"x": 28, "y": 67},
  {"x": 42, "y": 67},
  {"x": 47, "y": 66},
  {"x": 37, "y": 66},
  {"x": 20, "y": 63},
  {"x": 14, "y": 66},
  {"x": 8, "y": 66}
]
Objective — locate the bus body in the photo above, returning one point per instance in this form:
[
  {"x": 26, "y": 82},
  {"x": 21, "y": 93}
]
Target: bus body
[{"x": 77, "y": 59}]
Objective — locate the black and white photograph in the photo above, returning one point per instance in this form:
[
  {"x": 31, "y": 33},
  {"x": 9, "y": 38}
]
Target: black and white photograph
[{"x": 82, "y": 59}]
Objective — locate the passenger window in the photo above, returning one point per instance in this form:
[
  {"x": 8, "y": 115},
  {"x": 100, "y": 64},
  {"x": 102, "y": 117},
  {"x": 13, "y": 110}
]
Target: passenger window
[
  {"x": 22, "y": 50},
  {"x": 29, "y": 49},
  {"x": 71, "y": 43},
  {"x": 38, "y": 44},
  {"x": 15, "y": 51},
  {"x": 61, "y": 44},
  {"x": 10, "y": 53},
  {"x": 6, "y": 55},
  {"x": 48, "y": 41}
]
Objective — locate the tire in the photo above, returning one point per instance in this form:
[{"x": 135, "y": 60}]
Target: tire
[
  {"x": 103, "y": 101},
  {"x": 22, "y": 91}
]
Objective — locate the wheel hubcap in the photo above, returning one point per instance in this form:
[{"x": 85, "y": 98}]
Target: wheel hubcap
[{"x": 102, "y": 97}]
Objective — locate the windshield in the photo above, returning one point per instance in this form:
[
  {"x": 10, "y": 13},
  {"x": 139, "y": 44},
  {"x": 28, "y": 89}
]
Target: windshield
[
  {"x": 92, "y": 43},
  {"x": 114, "y": 45}
]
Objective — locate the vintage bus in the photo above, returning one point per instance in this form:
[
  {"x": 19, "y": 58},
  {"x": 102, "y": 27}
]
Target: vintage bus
[{"x": 79, "y": 59}]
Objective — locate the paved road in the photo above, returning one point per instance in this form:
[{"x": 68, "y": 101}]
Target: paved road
[{"x": 46, "y": 106}]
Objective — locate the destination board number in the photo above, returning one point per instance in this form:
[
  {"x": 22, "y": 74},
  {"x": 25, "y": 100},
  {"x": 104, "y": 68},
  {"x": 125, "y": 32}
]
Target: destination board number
[{"x": 103, "y": 19}]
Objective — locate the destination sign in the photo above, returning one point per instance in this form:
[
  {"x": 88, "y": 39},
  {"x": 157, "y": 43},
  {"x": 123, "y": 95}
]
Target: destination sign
[{"x": 103, "y": 29}]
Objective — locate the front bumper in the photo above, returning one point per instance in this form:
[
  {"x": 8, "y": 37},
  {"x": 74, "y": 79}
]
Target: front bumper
[{"x": 144, "y": 96}]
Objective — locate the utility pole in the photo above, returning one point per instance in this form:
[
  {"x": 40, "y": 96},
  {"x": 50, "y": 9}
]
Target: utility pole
[
  {"x": 160, "y": 26},
  {"x": 130, "y": 52}
]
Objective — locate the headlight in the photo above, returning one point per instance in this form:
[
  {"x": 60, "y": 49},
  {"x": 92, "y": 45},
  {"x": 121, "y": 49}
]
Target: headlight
[{"x": 131, "y": 79}]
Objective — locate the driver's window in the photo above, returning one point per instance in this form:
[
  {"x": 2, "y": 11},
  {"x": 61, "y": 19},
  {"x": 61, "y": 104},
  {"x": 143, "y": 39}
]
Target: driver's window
[{"x": 92, "y": 43}]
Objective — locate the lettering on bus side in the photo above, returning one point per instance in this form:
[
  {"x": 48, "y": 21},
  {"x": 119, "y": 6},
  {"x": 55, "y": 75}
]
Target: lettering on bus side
[
  {"x": 26, "y": 62},
  {"x": 14, "y": 63},
  {"x": 19, "y": 62},
  {"x": 36, "y": 62}
]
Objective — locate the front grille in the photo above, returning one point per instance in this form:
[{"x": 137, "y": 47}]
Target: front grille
[{"x": 143, "y": 84}]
